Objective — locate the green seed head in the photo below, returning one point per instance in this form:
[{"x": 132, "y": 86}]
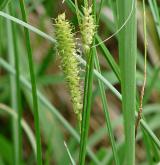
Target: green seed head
[
  {"x": 66, "y": 48},
  {"x": 87, "y": 28}
]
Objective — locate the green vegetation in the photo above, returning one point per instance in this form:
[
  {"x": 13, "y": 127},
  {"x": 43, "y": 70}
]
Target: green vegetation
[{"x": 80, "y": 87}]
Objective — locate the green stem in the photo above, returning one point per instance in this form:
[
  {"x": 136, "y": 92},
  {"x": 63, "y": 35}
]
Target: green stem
[
  {"x": 34, "y": 88},
  {"x": 127, "y": 56},
  {"x": 18, "y": 92},
  {"x": 86, "y": 107}
]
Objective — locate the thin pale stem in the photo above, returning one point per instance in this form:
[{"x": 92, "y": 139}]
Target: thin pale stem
[{"x": 145, "y": 68}]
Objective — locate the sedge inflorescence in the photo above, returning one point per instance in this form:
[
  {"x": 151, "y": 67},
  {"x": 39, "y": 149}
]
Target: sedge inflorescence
[
  {"x": 66, "y": 48},
  {"x": 87, "y": 28}
]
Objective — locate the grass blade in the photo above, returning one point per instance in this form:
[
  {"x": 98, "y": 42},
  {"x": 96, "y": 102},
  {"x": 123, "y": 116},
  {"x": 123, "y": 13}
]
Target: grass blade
[
  {"x": 13, "y": 98},
  {"x": 34, "y": 88},
  {"x": 105, "y": 109},
  {"x": 69, "y": 154},
  {"x": 109, "y": 58},
  {"x": 127, "y": 51},
  {"x": 19, "y": 155},
  {"x": 26, "y": 25}
]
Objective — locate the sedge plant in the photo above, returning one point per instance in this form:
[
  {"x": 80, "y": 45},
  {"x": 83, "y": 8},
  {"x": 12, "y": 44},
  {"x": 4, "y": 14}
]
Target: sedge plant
[{"x": 125, "y": 21}]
